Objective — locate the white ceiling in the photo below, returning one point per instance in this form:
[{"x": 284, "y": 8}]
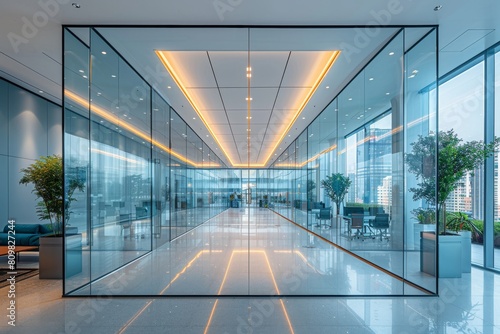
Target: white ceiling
[{"x": 465, "y": 29}]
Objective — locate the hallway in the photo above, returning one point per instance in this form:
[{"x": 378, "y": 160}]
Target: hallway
[
  {"x": 214, "y": 259},
  {"x": 254, "y": 252}
]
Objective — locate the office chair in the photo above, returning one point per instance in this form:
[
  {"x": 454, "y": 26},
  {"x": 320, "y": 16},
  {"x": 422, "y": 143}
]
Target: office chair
[
  {"x": 357, "y": 224},
  {"x": 380, "y": 223},
  {"x": 323, "y": 214}
]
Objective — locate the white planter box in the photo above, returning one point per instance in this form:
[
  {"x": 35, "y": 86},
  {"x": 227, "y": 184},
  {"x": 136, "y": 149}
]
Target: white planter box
[
  {"x": 450, "y": 255},
  {"x": 466, "y": 250}
]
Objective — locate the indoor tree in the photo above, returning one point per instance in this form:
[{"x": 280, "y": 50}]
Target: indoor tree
[
  {"x": 46, "y": 175},
  {"x": 455, "y": 159},
  {"x": 336, "y": 187}
]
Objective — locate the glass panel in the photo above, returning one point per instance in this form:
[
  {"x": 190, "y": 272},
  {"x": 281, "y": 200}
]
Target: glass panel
[
  {"x": 120, "y": 132},
  {"x": 461, "y": 110},
  {"x": 76, "y": 162},
  {"x": 496, "y": 233},
  {"x": 420, "y": 127},
  {"x": 178, "y": 175},
  {"x": 161, "y": 171}
]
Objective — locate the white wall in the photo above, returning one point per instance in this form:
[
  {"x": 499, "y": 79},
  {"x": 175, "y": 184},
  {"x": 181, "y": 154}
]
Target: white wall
[{"x": 30, "y": 127}]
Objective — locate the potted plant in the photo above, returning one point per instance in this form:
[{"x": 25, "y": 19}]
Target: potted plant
[
  {"x": 455, "y": 159},
  {"x": 336, "y": 187},
  {"x": 426, "y": 221},
  {"x": 310, "y": 186},
  {"x": 46, "y": 175}
]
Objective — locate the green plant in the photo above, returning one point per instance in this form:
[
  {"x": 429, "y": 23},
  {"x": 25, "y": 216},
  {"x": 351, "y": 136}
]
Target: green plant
[
  {"x": 424, "y": 216},
  {"x": 336, "y": 187},
  {"x": 310, "y": 186},
  {"x": 458, "y": 221},
  {"x": 46, "y": 175},
  {"x": 454, "y": 160}
]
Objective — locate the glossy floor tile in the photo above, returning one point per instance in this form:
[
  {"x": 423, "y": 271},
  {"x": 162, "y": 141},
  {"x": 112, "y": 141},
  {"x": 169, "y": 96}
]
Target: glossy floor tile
[
  {"x": 250, "y": 252},
  {"x": 267, "y": 256},
  {"x": 467, "y": 305}
]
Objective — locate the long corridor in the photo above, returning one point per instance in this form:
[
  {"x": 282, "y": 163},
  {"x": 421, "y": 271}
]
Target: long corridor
[
  {"x": 256, "y": 252},
  {"x": 266, "y": 255}
]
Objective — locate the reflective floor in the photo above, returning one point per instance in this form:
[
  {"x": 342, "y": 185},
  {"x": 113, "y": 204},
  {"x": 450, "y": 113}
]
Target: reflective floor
[
  {"x": 249, "y": 252},
  {"x": 208, "y": 262}
]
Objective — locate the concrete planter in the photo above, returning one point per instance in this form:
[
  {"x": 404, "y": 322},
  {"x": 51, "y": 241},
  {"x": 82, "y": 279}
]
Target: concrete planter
[{"x": 51, "y": 256}]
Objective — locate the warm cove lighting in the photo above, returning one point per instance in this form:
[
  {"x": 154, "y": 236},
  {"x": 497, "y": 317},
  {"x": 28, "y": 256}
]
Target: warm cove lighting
[
  {"x": 167, "y": 58},
  {"x": 110, "y": 117}
]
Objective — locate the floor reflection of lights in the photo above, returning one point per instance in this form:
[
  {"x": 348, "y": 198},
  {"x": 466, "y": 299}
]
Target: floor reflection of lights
[
  {"x": 235, "y": 253},
  {"x": 271, "y": 275}
]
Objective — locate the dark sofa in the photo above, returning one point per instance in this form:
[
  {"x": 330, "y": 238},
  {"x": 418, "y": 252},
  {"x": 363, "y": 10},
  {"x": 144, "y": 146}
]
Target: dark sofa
[{"x": 26, "y": 234}]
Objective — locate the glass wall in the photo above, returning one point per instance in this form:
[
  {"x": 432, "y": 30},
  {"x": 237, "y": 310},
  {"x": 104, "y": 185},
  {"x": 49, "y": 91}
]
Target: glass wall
[
  {"x": 493, "y": 252},
  {"x": 364, "y": 135},
  {"x": 151, "y": 180},
  {"x": 148, "y": 177}
]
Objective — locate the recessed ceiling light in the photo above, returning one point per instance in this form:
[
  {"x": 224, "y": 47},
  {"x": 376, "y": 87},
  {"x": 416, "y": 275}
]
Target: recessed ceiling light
[
  {"x": 347, "y": 114},
  {"x": 391, "y": 53},
  {"x": 76, "y": 5},
  {"x": 437, "y": 8},
  {"x": 303, "y": 118},
  {"x": 86, "y": 77},
  {"x": 98, "y": 93},
  {"x": 113, "y": 76},
  {"x": 370, "y": 108},
  {"x": 247, "y": 99},
  {"x": 411, "y": 76},
  {"x": 124, "y": 115},
  {"x": 141, "y": 99},
  {"x": 81, "y": 71},
  {"x": 414, "y": 71},
  {"x": 169, "y": 87},
  {"x": 371, "y": 79},
  {"x": 387, "y": 93},
  {"x": 117, "y": 107},
  {"x": 327, "y": 87},
  {"x": 40, "y": 91},
  {"x": 350, "y": 99},
  {"x": 194, "y": 117},
  {"x": 104, "y": 52}
]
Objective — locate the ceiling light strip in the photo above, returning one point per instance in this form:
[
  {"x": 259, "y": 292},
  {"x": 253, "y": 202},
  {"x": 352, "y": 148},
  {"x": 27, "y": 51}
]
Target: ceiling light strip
[
  {"x": 118, "y": 122},
  {"x": 329, "y": 64},
  {"x": 191, "y": 101}
]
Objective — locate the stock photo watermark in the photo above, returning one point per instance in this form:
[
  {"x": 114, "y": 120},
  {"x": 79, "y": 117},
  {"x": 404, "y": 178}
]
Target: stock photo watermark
[
  {"x": 11, "y": 272},
  {"x": 31, "y": 26}
]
